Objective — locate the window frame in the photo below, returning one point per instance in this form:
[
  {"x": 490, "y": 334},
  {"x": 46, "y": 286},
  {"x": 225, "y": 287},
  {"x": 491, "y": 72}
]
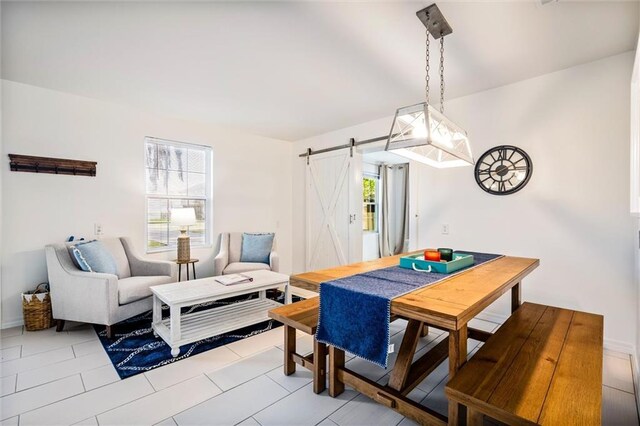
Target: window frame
[
  {"x": 208, "y": 197},
  {"x": 376, "y": 178}
]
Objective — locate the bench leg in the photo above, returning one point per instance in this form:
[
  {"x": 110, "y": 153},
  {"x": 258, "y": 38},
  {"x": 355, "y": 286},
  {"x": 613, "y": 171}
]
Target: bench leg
[
  {"x": 516, "y": 297},
  {"x": 454, "y": 413},
  {"x": 457, "y": 357},
  {"x": 289, "y": 350},
  {"x": 319, "y": 366},
  {"x": 336, "y": 362},
  {"x": 474, "y": 418}
]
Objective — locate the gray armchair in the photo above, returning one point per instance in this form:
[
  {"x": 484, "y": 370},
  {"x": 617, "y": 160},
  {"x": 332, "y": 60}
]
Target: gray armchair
[
  {"x": 227, "y": 261},
  {"x": 103, "y": 298}
]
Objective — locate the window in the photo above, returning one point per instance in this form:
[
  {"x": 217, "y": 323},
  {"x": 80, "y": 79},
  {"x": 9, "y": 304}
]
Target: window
[
  {"x": 177, "y": 175},
  {"x": 370, "y": 203}
]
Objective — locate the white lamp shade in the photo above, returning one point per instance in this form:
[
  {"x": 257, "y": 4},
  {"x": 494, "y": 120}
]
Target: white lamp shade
[
  {"x": 421, "y": 133},
  {"x": 183, "y": 216}
]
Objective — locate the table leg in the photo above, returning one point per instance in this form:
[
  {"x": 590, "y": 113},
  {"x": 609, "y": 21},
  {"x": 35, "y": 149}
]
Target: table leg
[
  {"x": 319, "y": 366},
  {"x": 457, "y": 350},
  {"x": 425, "y": 330},
  {"x": 407, "y": 350},
  {"x": 336, "y": 362},
  {"x": 516, "y": 297},
  {"x": 175, "y": 329},
  {"x": 187, "y": 272},
  {"x": 157, "y": 312},
  {"x": 287, "y": 294},
  {"x": 194, "y": 270},
  {"x": 457, "y": 357},
  {"x": 179, "y": 272}
]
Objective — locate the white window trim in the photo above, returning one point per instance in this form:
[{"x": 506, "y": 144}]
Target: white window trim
[
  {"x": 208, "y": 200},
  {"x": 376, "y": 177}
]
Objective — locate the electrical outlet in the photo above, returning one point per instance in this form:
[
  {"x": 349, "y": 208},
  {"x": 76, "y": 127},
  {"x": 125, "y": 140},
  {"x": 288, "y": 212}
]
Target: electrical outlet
[
  {"x": 97, "y": 229},
  {"x": 445, "y": 229}
]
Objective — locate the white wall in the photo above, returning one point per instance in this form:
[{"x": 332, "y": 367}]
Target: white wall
[
  {"x": 574, "y": 213},
  {"x": 1, "y": 150},
  {"x": 634, "y": 183},
  {"x": 370, "y": 246},
  {"x": 251, "y": 182}
]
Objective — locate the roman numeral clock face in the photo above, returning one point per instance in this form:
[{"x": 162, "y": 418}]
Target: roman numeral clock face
[{"x": 503, "y": 170}]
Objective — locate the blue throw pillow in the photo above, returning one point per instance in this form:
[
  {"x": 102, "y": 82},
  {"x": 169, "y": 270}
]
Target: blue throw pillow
[
  {"x": 93, "y": 256},
  {"x": 256, "y": 247}
]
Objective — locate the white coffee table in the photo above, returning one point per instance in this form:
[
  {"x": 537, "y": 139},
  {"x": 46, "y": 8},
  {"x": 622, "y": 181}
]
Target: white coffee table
[{"x": 178, "y": 330}]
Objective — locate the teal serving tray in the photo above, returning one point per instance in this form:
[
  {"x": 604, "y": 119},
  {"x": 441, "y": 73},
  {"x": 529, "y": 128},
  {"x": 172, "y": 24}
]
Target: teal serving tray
[{"x": 416, "y": 261}]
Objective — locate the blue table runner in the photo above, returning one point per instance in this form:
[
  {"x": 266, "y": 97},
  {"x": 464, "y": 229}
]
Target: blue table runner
[{"x": 355, "y": 311}]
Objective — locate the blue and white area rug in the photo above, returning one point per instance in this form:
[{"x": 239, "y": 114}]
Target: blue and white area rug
[{"x": 134, "y": 349}]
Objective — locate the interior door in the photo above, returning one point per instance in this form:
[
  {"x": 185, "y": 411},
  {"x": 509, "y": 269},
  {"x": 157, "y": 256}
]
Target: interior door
[{"x": 333, "y": 209}]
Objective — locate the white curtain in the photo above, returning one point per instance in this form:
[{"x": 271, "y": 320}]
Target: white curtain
[{"x": 394, "y": 215}]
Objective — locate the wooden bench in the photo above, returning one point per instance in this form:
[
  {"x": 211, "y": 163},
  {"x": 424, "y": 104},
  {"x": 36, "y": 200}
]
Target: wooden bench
[
  {"x": 542, "y": 367},
  {"x": 303, "y": 316}
]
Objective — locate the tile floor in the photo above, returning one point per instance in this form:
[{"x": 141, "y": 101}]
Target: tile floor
[{"x": 49, "y": 378}]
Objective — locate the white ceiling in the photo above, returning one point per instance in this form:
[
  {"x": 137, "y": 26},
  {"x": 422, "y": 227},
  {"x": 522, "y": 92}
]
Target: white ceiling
[{"x": 291, "y": 70}]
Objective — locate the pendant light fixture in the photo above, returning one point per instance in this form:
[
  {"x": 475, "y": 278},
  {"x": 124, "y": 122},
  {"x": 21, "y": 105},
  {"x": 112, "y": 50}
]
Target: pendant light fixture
[{"x": 420, "y": 132}]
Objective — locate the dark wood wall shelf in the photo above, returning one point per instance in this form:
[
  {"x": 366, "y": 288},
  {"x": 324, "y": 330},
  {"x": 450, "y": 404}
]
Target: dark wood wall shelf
[{"x": 58, "y": 166}]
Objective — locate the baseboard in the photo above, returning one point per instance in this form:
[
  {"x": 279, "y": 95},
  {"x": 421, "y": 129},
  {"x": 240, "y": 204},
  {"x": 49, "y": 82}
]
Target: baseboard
[
  {"x": 634, "y": 374},
  {"x": 618, "y": 346},
  {"x": 14, "y": 323}
]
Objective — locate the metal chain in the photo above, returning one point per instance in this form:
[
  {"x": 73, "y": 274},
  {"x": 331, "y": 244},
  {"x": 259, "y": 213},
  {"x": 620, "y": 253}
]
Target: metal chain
[
  {"x": 427, "y": 68},
  {"x": 441, "y": 73}
]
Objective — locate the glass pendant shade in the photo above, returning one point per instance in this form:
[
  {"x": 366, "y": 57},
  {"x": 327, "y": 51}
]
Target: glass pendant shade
[{"x": 421, "y": 133}]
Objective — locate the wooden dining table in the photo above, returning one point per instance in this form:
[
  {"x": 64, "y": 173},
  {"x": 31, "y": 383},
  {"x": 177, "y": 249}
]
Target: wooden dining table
[{"x": 448, "y": 305}]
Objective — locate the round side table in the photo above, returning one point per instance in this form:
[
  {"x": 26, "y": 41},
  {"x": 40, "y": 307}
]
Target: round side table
[{"x": 186, "y": 262}]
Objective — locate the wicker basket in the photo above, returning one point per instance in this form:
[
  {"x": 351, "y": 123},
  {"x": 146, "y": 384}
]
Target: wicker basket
[{"x": 36, "y": 308}]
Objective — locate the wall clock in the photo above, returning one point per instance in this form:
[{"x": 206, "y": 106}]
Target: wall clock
[{"x": 503, "y": 170}]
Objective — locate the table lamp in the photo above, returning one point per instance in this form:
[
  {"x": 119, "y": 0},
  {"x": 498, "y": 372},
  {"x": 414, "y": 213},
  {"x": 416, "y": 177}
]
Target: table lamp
[{"x": 183, "y": 218}]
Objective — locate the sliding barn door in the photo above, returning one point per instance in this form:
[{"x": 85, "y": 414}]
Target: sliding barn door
[{"x": 333, "y": 209}]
